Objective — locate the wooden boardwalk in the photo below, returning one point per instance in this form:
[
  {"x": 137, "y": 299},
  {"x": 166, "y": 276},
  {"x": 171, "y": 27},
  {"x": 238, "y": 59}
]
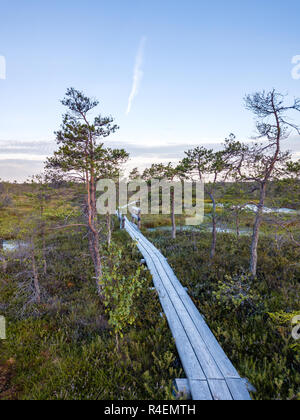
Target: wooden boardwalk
[{"x": 210, "y": 374}]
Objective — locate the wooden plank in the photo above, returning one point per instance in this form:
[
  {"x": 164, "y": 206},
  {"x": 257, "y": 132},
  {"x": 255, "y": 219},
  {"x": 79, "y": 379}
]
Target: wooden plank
[
  {"x": 187, "y": 354},
  {"x": 205, "y": 358},
  {"x": 180, "y": 289},
  {"x": 219, "y": 390},
  {"x": 217, "y": 352},
  {"x": 189, "y": 360},
  {"x": 238, "y": 389},
  {"x": 182, "y": 387},
  {"x": 156, "y": 279},
  {"x": 134, "y": 209},
  {"x": 191, "y": 333},
  {"x": 249, "y": 386},
  {"x": 207, "y": 361},
  {"x": 150, "y": 244},
  {"x": 155, "y": 250},
  {"x": 164, "y": 267},
  {"x": 208, "y": 364},
  {"x": 200, "y": 390},
  {"x": 224, "y": 364}
]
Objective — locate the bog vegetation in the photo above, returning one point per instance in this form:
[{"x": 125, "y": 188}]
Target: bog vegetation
[{"x": 83, "y": 321}]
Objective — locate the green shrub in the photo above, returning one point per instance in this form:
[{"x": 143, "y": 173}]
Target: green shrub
[
  {"x": 237, "y": 308},
  {"x": 236, "y": 293},
  {"x": 120, "y": 291},
  {"x": 63, "y": 348}
]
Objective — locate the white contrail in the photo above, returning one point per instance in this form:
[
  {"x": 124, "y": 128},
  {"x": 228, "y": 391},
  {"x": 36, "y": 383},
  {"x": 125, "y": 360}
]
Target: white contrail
[
  {"x": 137, "y": 74},
  {"x": 2, "y": 67}
]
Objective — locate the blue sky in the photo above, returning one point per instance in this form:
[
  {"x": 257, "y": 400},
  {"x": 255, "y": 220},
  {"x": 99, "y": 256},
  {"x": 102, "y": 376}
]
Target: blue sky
[{"x": 198, "y": 60}]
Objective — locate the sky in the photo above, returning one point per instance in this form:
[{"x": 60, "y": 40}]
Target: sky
[{"x": 172, "y": 73}]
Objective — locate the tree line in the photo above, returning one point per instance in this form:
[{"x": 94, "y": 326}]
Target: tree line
[
  {"x": 83, "y": 158},
  {"x": 256, "y": 163}
]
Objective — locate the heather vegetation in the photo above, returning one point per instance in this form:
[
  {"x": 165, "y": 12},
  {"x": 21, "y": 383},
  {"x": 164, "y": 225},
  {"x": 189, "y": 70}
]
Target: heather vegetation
[
  {"x": 83, "y": 320},
  {"x": 65, "y": 347},
  {"x": 251, "y": 317}
]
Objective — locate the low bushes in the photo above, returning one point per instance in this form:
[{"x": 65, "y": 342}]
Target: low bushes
[
  {"x": 65, "y": 348},
  {"x": 242, "y": 312}
]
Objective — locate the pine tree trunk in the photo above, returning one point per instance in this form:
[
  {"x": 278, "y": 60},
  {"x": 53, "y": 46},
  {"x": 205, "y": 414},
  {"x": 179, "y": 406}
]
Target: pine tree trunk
[
  {"x": 95, "y": 242},
  {"x": 214, "y": 228},
  {"x": 108, "y": 222},
  {"x": 256, "y": 229},
  {"x": 173, "y": 218}
]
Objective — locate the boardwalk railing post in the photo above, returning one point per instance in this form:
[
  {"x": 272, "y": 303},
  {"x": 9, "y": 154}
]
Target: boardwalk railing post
[
  {"x": 136, "y": 216},
  {"x": 139, "y": 219},
  {"x": 122, "y": 219}
]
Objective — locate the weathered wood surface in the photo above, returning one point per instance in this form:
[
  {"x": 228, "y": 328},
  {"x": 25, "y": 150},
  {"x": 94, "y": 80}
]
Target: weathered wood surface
[
  {"x": 210, "y": 374},
  {"x": 135, "y": 215}
]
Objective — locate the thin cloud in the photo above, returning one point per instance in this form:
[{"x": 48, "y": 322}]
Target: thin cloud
[
  {"x": 26, "y": 148},
  {"x": 2, "y": 67},
  {"x": 137, "y": 74}
]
